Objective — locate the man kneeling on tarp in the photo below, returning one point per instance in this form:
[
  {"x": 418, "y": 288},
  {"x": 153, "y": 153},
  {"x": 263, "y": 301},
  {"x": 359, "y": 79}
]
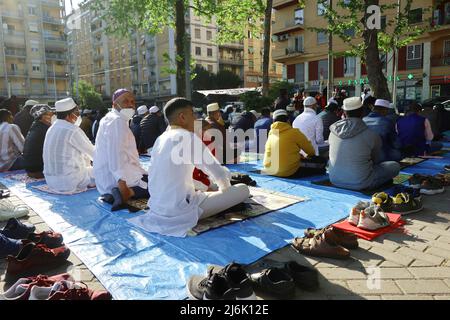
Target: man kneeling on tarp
[
  {"x": 117, "y": 169},
  {"x": 175, "y": 206}
]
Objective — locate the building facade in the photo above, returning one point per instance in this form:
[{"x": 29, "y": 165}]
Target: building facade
[
  {"x": 423, "y": 65},
  {"x": 33, "y": 54}
]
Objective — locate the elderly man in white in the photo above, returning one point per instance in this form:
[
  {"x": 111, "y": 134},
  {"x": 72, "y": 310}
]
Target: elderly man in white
[
  {"x": 117, "y": 169},
  {"x": 310, "y": 124},
  {"x": 67, "y": 152}
]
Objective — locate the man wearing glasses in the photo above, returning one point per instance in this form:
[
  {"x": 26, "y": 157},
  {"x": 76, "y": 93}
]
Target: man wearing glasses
[{"x": 67, "y": 151}]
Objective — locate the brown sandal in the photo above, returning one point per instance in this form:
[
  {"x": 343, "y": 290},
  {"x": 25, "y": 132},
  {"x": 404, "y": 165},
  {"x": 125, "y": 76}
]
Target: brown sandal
[{"x": 320, "y": 246}]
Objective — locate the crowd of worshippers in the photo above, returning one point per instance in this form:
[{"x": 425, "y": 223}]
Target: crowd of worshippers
[{"x": 360, "y": 139}]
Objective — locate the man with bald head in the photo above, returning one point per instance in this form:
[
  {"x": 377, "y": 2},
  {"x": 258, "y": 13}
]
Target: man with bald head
[{"x": 117, "y": 170}]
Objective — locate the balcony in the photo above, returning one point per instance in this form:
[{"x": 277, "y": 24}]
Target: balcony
[
  {"x": 288, "y": 26},
  {"x": 52, "y": 20},
  {"x": 17, "y": 73},
  {"x": 231, "y": 61},
  {"x": 37, "y": 75},
  {"x": 233, "y": 45},
  {"x": 12, "y": 14},
  {"x": 280, "y": 4},
  {"x": 57, "y": 75},
  {"x": 14, "y": 37},
  {"x": 53, "y": 4},
  {"x": 440, "y": 61},
  {"x": 55, "y": 56},
  {"x": 54, "y": 41},
  {"x": 284, "y": 53},
  {"x": 17, "y": 53}
]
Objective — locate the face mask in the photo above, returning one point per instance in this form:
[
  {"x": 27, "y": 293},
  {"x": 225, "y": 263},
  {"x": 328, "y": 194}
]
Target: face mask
[
  {"x": 53, "y": 119},
  {"x": 127, "y": 113},
  {"x": 78, "y": 122}
]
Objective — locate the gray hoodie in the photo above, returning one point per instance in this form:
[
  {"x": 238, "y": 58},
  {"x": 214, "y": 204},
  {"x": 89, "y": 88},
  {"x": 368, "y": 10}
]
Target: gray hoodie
[{"x": 353, "y": 152}]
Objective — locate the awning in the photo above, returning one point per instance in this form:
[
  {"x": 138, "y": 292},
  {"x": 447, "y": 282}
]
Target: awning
[
  {"x": 440, "y": 80},
  {"x": 230, "y": 92}
]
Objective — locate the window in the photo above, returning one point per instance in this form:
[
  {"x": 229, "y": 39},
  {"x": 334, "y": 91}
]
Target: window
[
  {"x": 34, "y": 46},
  {"x": 208, "y": 35},
  {"x": 210, "y": 68},
  {"x": 209, "y": 52},
  {"x": 321, "y": 7},
  {"x": 322, "y": 38},
  {"x": 323, "y": 69},
  {"x": 32, "y": 11},
  {"x": 251, "y": 50},
  {"x": 251, "y": 65},
  {"x": 36, "y": 66},
  {"x": 274, "y": 67},
  {"x": 197, "y": 34},
  {"x": 349, "y": 32},
  {"x": 14, "y": 67},
  {"x": 33, "y": 27},
  {"x": 298, "y": 16},
  {"x": 349, "y": 66},
  {"x": 415, "y": 16},
  {"x": 414, "y": 52},
  {"x": 198, "y": 51}
]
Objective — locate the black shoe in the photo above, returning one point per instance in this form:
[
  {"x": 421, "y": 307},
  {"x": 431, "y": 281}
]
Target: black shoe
[
  {"x": 4, "y": 193},
  {"x": 117, "y": 203},
  {"x": 447, "y": 168},
  {"x": 275, "y": 282},
  {"x": 107, "y": 197},
  {"x": 213, "y": 287},
  {"x": 237, "y": 279},
  {"x": 304, "y": 277},
  {"x": 237, "y": 178}
]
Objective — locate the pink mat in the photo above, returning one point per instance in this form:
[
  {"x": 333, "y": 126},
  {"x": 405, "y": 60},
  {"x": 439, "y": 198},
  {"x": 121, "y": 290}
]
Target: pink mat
[
  {"x": 45, "y": 188},
  {"x": 22, "y": 177}
]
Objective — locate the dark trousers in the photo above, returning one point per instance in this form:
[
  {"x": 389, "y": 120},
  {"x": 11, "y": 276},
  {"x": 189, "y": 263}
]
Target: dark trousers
[{"x": 141, "y": 193}]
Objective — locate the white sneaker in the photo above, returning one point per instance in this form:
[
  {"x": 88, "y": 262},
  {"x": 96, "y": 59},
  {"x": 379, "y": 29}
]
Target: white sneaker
[
  {"x": 373, "y": 218},
  {"x": 18, "y": 212},
  {"x": 353, "y": 218},
  {"x": 44, "y": 293},
  {"x": 16, "y": 291}
]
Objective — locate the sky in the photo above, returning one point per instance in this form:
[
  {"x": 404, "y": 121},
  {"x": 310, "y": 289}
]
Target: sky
[{"x": 74, "y": 3}]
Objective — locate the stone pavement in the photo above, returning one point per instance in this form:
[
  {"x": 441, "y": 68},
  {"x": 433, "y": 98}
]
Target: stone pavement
[{"x": 415, "y": 265}]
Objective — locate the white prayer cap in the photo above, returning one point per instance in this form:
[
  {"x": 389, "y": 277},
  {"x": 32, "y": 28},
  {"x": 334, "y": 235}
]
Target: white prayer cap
[
  {"x": 86, "y": 111},
  {"x": 213, "y": 107},
  {"x": 352, "y": 103},
  {"x": 142, "y": 110},
  {"x": 154, "y": 109},
  {"x": 309, "y": 101},
  {"x": 279, "y": 112},
  {"x": 65, "y": 105},
  {"x": 255, "y": 113},
  {"x": 290, "y": 108},
  {"x": 383, "y": 103},
  {"x": 31, "y": 103},
  {"x": 332, "y": 100}
]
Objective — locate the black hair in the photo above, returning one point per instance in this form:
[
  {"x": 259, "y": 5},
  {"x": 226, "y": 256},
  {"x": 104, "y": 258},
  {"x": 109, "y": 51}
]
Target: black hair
[
  {"x": 175, "y": 105},
  {"x": 63, "y": 115},
  {"x": 265, "y": 112},
  {"x": 369, "y": 101},
  {"x": 358, "y": 113},
  {"x": 413, "y": 107},
  {"x": 332, "y": 107},
  {"x": 4, "y": 114},
  {"x": 281, "y": 118}
]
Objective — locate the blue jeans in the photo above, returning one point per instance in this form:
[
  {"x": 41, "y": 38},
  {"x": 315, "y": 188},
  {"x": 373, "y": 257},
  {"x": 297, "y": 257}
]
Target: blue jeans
[{"x": 383, "y": 172}]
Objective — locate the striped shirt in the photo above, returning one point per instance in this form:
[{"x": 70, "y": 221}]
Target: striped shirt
[
  {"x": 67, "y": 155},
  {"x": 11, "y": 145}
]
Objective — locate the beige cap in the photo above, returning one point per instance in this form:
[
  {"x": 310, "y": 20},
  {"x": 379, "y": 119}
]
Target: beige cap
[
  {"x": 352, "y": 103},
  {"x": 213, "y": 107}
]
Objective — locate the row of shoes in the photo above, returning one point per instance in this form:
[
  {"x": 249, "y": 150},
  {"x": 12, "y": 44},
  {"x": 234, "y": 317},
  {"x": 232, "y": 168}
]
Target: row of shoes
[
  {"x": 29, "y": 253},
  {"x": 428, "y": 184},
  {"x": 58, "y": 287},
  {"x": 328, "y": 242},
  {"x": 234, "y": 283},
  {"x": 8, "y": 211}
]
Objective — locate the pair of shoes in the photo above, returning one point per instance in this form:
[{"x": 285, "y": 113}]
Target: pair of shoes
[
  {"x": 427, "y": 184},
  {"x": 274, "y": 281},
  {"x": 345, "y": 239},
  {"x": 368, "y": 216},
  {"x": 404, "y": 204},
  {"x": 399, "y": 188},
  {"x": 36, "y": 258},
  {"x": 67, "y": 290},
  {"x": 50, "y": 239},
  {"x": 237, "y": 178},
  {"x": 21, "y": 289},
  {"x": 15, "y": 229},
  {"x": 444, "y": 178},
  {"x": 8, "y": 212},
  {"x": 228, "y": 283}
]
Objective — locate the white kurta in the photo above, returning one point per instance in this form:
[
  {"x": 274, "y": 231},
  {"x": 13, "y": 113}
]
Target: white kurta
[
  {"x": 67, "y": 155},
  {"x": 311, "y": 125},
  {"x": 174, "y": 203},
  {"x": 11, "y": 145},
  {"x": 116, "y": 156}
]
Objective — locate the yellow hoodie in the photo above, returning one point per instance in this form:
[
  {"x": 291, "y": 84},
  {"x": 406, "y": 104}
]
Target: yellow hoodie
[{"x": 282, "y": 154}]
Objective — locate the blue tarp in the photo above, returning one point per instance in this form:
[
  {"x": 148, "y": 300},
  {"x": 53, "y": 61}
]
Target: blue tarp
[{"x": 134, "y": 264}]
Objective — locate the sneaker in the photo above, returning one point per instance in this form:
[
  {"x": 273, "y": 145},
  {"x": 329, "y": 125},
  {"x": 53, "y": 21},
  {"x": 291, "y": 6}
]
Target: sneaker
[
  {"x": 50, "y": 239},
  {"x": 403, "y": 204},
  {"x": 17, "y": 212},
  {"x": 68, "y": 290},
  {"x": 35, "y": 257},
  {"x": 431, "y": 186},
  {"x": 9, "y": 246},
  {"x": 4, "y": 193},
  {"x": 444, "y": 178},
  {"x": 238, "y": 280},
  {"x": 213, "y": 287},
  {"x": 382, "y": 200},
  {"x": 353, "y": 219},
  {"x": 275, "y": 282},
  {"x": 415, "y": 181},
  {"x": 21, "y": 289},
  {"x": 399, "y": 188},
  {"x": 373, "y": 218},
  {"x": 15, "y": 229}
]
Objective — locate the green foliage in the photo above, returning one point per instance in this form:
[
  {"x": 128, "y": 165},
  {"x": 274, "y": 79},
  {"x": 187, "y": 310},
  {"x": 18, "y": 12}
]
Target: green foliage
[
  {"x": 88, "y": 98},
  {"x": 254, "y": 101},
  {"x": 275, "y": 88},
  {"x": 224, "y": 79}
]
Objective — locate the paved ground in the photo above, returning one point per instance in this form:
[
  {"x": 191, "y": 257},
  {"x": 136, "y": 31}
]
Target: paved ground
[{"x": 415, "y": 265}]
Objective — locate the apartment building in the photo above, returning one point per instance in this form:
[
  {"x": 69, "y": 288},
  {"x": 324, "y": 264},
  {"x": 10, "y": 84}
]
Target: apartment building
[
  {"x": 231, "y": 57},
  {"x": 423, "y": 66},
  {"x": 33, "y": 54}
]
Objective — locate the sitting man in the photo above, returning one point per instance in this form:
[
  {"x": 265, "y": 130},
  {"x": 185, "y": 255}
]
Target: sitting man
[
  {"x": 354, "y": 152},
  {"x": 117, "y": 169},
  {"x": 175, "y": 206},
  {"x": 310, "y": 124},
  {"x": 222, "y": 151},
  {"x": 152, "y": 126},
  {"x": 67, "y": 151},
  {"x": 34, "y": 142},
  {"x": 329, "y": 116},
  {"x": 378, "y": 122},
  {"x": 23, "y": 119},
  {"x": 282, "y": 157},
  {"x": 262, "y": 128},
  {"x": 11, "y": 143},
  {"x": 135, "y": 123}
]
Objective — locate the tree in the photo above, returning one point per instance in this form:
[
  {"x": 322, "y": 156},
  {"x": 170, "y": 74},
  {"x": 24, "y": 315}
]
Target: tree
[
  {"x": 359, "y": 16},
  {"x": 266, "y": 53},
  {"x": 226, "y": 79},
  {"x": 88, "y": 98},
  {"x": 204, "y": 80}
]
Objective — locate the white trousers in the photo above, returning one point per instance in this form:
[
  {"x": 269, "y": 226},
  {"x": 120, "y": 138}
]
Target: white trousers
[{"x": 219, "y": 201}]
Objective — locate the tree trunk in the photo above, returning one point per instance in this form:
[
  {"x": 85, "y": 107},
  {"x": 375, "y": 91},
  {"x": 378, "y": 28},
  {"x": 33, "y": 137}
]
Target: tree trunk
[
  {"x": 180, "y": 30},
  {"x": 267, "y": 44},
  {"x": 377, "y": 80}
]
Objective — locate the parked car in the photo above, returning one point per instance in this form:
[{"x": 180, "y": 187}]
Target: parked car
[
  {"x": 429, "y": 103},
  {"x": 402, "y": 103}
]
